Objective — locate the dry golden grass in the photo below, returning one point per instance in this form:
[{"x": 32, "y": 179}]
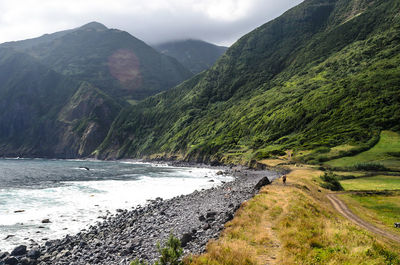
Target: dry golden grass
[
  {"x": 273, "y": 162},
  {"x": 295, "y": 224}
]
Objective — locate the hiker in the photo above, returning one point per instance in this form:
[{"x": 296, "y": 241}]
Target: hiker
[{"x": 284, "y": 179}]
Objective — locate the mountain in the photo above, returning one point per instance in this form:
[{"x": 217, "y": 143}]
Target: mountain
[
  {"x": 324, "y": 74},
  {"x": 46, "y": 114},
  {"x": 112, "y": 60},
  {"x": 195, "y": 55},
  {"x": 60, "y": 93}
]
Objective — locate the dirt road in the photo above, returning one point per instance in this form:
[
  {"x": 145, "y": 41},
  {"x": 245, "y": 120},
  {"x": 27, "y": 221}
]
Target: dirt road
[{"x": 344, "y": 210}]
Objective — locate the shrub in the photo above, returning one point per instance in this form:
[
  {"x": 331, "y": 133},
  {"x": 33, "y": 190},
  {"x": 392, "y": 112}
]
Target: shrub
[
  {"x": 322, "y": 150},
  {"x": 268, "y": 154},
  {"x": 138, "y": 262},
  {"x": 331, "y": 182},
  {"x": 277, "y": 152},
  {"x": 370, "y": 166},
  {"x": 262, "y": 155},
  {"x": 394, "y": 154},
  {"x": 171, "y": 254}
]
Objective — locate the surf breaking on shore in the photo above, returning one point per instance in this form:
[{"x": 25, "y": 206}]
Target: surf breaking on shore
[
  {"x": 42, "y": 200},
  {"x": 195, "y": 218}
]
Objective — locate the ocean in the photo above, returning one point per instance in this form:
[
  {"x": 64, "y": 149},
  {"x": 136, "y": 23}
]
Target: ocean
[{"x": 74, "y": 194}]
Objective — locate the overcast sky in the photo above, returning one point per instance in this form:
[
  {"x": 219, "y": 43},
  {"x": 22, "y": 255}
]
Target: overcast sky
[{"x": 154, "y": 21}]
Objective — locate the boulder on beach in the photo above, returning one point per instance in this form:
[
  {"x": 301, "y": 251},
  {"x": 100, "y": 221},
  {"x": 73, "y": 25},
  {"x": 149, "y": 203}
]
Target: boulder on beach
[
  {"x": 11, "y": 261},
  {"x": 202, "y": 218},
  {"x": 19, "y": 251},
  {"x": 3, "y": 255},
  {"x": 46, "y": 221},
  {"x": 186, "y": 238},
  {"x": 264, "y": 181},
  {"x": 211, "y": 214},
  {"x": 33, "y": 253}
]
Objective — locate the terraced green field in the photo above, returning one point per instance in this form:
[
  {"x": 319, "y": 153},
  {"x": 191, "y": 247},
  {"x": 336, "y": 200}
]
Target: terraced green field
[
  {"x": 386, "y": 152},
  {"x": 372, "y": 183}
]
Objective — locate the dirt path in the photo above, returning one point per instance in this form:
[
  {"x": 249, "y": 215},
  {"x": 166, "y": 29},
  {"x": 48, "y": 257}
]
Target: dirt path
[{"x": 344, "y": 210}]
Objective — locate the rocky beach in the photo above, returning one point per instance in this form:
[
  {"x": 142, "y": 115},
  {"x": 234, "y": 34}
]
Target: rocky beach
[{"x": 129, "y": 234}]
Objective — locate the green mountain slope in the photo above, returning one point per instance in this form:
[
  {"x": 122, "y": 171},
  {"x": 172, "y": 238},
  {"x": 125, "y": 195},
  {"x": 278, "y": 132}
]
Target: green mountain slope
[
  {"x": 195, "y": 55},
  {"x": 60, "y": 93},
  {"x": 325, "y": 73},
  {"x": 45, "y": 114},
  {"x": 31, "y": 95},
  {"x": 110, "y": 59}
]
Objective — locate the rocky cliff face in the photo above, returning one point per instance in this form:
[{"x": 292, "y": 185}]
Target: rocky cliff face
[{"x": 85, "y": 120}]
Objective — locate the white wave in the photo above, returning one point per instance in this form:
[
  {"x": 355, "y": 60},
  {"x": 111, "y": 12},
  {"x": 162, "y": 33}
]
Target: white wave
[{"x": 76, "y": 205}]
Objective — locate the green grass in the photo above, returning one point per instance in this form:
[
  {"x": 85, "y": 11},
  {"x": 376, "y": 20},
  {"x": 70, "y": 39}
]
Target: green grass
[
  {"x": 349, "y": 174},
  {"x": 384, "y": 153},
  {"x": 372, "y": 183},
  {"x": 381, "y": 210}
]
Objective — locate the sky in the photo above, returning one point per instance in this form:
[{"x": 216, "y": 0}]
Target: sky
[{"x": 154, "y": 21}]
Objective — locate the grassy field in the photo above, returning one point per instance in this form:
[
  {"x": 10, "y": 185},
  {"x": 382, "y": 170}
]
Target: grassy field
[
  {"x": 385, "y": 152},
  {"x": 372, "y": 183},
  {"x": 295, "y": 224},
  {"x": 382, "y": 211}
]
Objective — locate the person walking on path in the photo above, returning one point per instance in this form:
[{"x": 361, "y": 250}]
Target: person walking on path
[{"x": 284, "y": 179}]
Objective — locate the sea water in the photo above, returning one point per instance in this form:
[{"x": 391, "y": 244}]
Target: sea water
[{"x": 76, "y": 194}]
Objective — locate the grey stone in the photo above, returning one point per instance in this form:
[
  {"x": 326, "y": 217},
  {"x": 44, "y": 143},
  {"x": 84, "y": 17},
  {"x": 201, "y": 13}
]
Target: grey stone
[
  {"x": 33, "y": 253},
  {"x": 11, "y": 261},
  {"x": 19, "y": 251}
]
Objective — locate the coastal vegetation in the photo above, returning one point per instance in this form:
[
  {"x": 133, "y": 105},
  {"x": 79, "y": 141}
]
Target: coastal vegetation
[
  {"x": 170, "y": 254},
  {"x": 331, "y": 182},
  {"x": 296, "y": 224}
]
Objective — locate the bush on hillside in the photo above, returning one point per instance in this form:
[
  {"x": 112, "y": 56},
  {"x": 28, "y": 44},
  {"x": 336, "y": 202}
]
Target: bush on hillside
[
  {"x": 331, "y": 182},
  {"x": 268, "y": 154},
  {"x": 394, "y": 154},
  {"x": 322, "y": 150},
  {"x": 370, "y": 166}
]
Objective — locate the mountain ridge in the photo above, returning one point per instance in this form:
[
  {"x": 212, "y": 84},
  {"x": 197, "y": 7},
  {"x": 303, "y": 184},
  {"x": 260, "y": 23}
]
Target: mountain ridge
[
  {"x": 195, "y": 55},
  {"x": 99, "y": 55},
  {"x": 62, "y": 91},
  {"x": 291, "y": 83}
]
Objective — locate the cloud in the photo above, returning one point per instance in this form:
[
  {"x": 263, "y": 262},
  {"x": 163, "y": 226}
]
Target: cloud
[{"x": 154, "y": 21}]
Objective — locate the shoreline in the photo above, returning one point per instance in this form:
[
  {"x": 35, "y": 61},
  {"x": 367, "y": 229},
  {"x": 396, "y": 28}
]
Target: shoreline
[{"x": 130, "y": 234}]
